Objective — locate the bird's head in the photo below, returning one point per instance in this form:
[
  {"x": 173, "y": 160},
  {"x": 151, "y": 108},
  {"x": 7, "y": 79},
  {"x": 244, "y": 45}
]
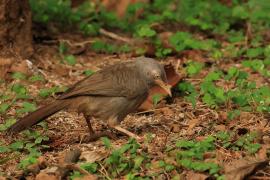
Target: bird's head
[{"x": 153, "y": 73}]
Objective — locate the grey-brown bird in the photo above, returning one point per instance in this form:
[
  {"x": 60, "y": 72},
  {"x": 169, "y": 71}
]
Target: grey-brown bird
[{"x": 109, "y": 94}]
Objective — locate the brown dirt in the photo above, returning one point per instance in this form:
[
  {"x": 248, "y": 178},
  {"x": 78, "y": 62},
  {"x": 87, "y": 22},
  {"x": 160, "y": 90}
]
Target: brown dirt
[{"x": 168, "y": 123}]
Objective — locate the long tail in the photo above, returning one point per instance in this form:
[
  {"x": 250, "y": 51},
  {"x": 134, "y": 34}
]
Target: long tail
[{"x": 37, "y": 116}]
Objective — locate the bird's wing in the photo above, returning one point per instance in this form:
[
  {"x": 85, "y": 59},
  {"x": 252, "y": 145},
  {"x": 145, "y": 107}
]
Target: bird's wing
[{"x": 120, "y": 80}]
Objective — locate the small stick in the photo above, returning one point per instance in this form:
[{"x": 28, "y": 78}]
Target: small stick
[{"x": 115, "y": 36}]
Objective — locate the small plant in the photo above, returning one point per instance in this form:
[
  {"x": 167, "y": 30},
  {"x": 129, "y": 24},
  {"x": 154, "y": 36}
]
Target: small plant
[
  {"x": 194, "y": 67},
  {"x": 191, "y": 154},
  {"x": 244, "y": 142}
]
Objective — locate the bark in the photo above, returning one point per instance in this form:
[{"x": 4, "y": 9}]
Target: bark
[{"x": 15, "y": 29}]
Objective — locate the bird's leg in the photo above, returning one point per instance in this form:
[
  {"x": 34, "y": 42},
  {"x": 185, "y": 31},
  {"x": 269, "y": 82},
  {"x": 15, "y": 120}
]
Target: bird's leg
[
  {"x": 95, "y": 136},
  {"x": 87, "y": 119}
]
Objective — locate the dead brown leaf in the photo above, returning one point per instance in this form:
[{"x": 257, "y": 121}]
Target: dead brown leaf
[
  {"x": 175, "y": 128},
  {"x": 262, "y": 154},
  {"x": 45, "y": 176},
  {"x": 87, "y": 177},
  {"x": 5, "y": 64},
  {"x": 91, "y": 156},
  {"x": 220, "y": 127},
  {"x": 241, "y": 169},
  {"x": 166, "y": 111},
  {"x": 21, "y": 67},
  {"x": 195, "y": 176},
  {"x": 119, "y": 6},
  {"x": 192, "y": 123}
]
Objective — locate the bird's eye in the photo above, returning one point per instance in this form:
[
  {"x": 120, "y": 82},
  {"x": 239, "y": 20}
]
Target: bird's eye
[{"x": 157, "y": 76}]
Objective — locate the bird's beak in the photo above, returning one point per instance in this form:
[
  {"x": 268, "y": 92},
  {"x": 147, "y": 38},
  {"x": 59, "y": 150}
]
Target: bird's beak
[{"x": 164, "y": 86}]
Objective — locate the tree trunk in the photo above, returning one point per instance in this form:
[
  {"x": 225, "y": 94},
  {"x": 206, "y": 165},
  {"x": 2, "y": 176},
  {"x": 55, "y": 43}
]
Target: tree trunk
[{"x": 15, "y": 29}]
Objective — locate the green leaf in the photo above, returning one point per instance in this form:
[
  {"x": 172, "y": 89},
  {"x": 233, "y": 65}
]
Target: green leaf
[
  {"x": 209, "y": 99},
  {"x": 212, "y": 76},
  {"x": 4, "y": 107},
  {"x": 169, "y": 168},
  {"x": 70, "y": 59},
  {"x": 185, "y": 144},
  {"x": 88, "y": 72},
  {"x": 18, "y": 75},
  {"x": 4, "y": 149},
  {"x": 35, "y": 78},
  {"x": 106, "y": 141},
  {"x": 89, "y": 29},
  {"x": 267, "y": 51},
  {"x": 7, "y": 124},
  {"x": 146, "y": 31},
  {"x": 19, "y": 89},
  {"x": 254, "y": 52},
  {"x": 233, "y": 114},
  {"x": 186, "y": 87},
  {"x": 240, "y": 12},
  {"x": 253, "y": 148},
  {"x": 76, "y": 175},
  {"x": 156, "y": 98},
  {"x": 194, "y": 68},
  {"x": 62, "y": 47},
  {"x": 138, "y": 160},
  {"x": 232, "y": 72},
  {"x": 45, "y": 92},
  {"x": 17, "y": 145},
  {"x": 180, "y": 40},
  {"x": 90, "y": 167},
  {"x": 31, "y": 159},
  {"x": 27, "y": 107}
]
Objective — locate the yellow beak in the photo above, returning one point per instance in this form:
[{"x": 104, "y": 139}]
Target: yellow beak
[{"x": 164, "y": 86}]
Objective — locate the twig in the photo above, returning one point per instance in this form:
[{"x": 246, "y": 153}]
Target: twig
[
  {"x": 81, "y": 44},
  {"x": 104, "y": 173},
  {"x": 260, "y": 177},
  {"x": 150, "y": 110},
  {"x": 115, "y": 36},
  {"x": 248, "y": 33}
]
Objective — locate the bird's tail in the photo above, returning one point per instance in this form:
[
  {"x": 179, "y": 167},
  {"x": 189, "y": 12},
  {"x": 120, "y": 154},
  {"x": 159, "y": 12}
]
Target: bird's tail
[{"x": 37, "y": 116}]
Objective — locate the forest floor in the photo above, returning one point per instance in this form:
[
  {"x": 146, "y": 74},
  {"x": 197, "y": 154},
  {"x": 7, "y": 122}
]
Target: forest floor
[{"x": 235, "y": 155}]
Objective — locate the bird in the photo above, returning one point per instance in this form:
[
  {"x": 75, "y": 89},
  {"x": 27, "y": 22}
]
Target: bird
[{"x": 110, "y": 94}]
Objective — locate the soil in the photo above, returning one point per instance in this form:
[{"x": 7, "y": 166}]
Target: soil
[{"x": 170, "y": 121}]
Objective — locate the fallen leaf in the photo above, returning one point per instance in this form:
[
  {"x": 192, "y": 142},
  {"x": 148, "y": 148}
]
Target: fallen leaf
[
  {"x": 195, "y": 176},
  {"x": 262, "y": 153},
  {"x": 164, "y": 37},
  {"x": 5, "y": 64},
  {"x": 120, "y": 6},
  {"x": 42, "y": 162},
  {"x": 175, "y": 128},
  {"x": 166, "y": 111},
  {"x": 91, "y": 156},
  {"x": 45, "y": 176},
  {"x": 71, "y": 156},
  {"x": 34, "y": 168},
  {"x": 21, "y": 66},
  {"x": 223, "y": 116},
  {"x": 220, "y": 127},
  {"x": 192, "y": 123},
  {"x": 241, "y": 169},
  {"x": 87, "y": 177}
]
